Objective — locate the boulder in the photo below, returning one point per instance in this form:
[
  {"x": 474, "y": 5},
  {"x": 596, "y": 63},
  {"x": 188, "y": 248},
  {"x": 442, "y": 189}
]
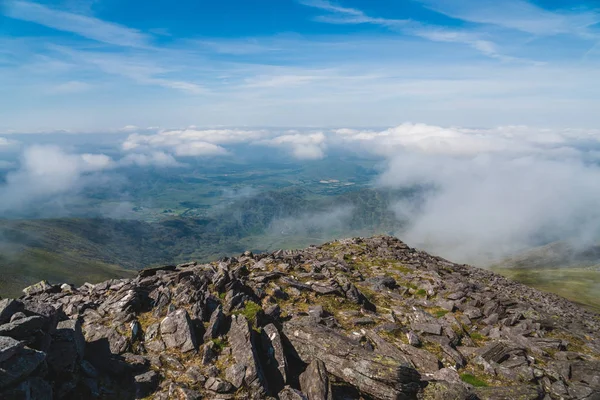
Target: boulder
[
  {"x": 371, "y": 372},
  {"x": 20, "y": 366},
  {"x": 9, "y": 347},
  {"x": 274, "y": 356},
  {"x": 177, "y": 331},
  {"x": 23, "y": 328},
  {"x": 8, "y": 307},
  {"x": 289, "y": 393},
  {"x": 215, "y": 325},
  {"x": 315, "y": 382},
  {"x": 244, "y": 352},
  {"x": 146, "y": 383},
  {"x": 68, "y": 347}
]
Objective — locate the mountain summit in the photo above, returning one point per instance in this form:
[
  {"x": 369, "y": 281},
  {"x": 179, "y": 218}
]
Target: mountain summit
[{"x": 351, "y": 319}]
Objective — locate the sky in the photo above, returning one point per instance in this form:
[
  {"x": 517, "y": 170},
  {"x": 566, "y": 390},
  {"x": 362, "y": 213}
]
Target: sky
[{"x": 103, "y": 65}]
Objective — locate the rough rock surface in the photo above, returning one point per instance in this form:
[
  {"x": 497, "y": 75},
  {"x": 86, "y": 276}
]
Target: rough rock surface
[{"x": 351, "y": 319}]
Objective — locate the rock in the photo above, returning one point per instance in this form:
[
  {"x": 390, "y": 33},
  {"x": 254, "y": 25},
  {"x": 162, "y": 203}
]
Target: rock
[
  {"x": 447, "y": 374},
  {"x": 40, "y": 287},
  {"x": 145, "y": 384},
  {"x": 289, "y": 393},
  {"x": 524, "y": 392},
  {"x": 236, "y": 374},
  {"x": 495, "y": 351},
  {"x": 434, "y": 329},
  {"x": 275, "y": 361},
  {"x": 413, "y": 339},
  {"x": 473, "y": 312},
  {"x": 587, "y": 372},
  {"x": 20, "y": 366},
  {"x": 32, "y": 389},
  {"x": 68, "y": 347},
  {"x": 153, "y": 271},
  {"x": 375, "y": 374},
  {"x": 9, "y": 347},
  {"x": 215, "y": 325},
  {"x": 315, "y": 382},
  {"x": 218, "y": 385},
  {"x": 22, "y": 328},
  {"x": 243, "y": 350},
  {"x": 441, "y": 390},
  {"x": 8, "y": 307},
  {"x": 177, "y": 332}
]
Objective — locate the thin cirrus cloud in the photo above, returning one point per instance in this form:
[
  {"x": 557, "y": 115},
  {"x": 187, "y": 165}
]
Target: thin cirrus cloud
[
  {"x": 88, "y": 27},
  {"x": 519, "y": 15},
  {"x": 343, "y": 15}
]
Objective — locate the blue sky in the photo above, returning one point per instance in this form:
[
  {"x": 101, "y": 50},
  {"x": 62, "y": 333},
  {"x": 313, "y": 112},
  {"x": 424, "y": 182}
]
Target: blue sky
[{"x": 101, "y": 65}]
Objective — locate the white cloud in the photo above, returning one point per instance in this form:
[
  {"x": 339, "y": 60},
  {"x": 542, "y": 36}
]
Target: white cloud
[
  {"x": 492, "y": 191},
  {"x": 303, "y": 146},
  {"x": 192, "y": 142},
  {"x": 47, "y": 171},
  {"x": 518, "y": 14},
  {"x": 88, "y": 27},
  {"x": 70, "y": 87},
  {"x": 155, "y": 158}
]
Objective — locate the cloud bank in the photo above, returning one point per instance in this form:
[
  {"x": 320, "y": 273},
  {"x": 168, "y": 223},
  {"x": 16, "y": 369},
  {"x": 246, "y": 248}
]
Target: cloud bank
[{"x": 493, "y": 191}]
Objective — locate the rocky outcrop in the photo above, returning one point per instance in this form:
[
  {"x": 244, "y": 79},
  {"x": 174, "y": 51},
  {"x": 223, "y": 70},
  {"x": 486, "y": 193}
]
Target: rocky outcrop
[{"x": 356, "y": 318}]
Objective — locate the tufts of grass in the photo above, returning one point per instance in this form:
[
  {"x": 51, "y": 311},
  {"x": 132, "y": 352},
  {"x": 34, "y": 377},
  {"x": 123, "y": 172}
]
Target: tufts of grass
[
  {"x": 250, "y": 311},
  {"x": 220, "y": 344},
  {"x": 473, "y": 380},
  {"x": 421, "y": 292}
]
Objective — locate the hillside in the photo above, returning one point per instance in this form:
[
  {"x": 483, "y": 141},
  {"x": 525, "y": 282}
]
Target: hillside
[
  {"x": 559, "y": 267},
  {"x": 77, "y": 250},
  {"x": 351, "y": 319}
]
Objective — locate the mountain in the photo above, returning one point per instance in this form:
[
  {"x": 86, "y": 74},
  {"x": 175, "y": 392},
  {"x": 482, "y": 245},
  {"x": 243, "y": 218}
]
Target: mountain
[
  {"x": 559, "y": 267},
  {"x": 77, "y": 250},
  {"x": 351, "y": 319}
]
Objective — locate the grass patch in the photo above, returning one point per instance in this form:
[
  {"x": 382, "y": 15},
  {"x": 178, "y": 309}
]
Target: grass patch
[
  {"x": 421, "y": 292},
  {"x": 473, "y": 380},
  {"x": 250, "y": 311},
  {"x": 220, "y": 344}
]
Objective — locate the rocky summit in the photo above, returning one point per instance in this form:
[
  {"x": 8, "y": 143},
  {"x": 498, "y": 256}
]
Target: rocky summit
[{"x": 351, "y": 319}]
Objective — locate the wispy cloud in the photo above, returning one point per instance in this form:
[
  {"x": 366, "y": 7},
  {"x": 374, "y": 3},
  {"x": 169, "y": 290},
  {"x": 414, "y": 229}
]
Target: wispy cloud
[
  {"x": 88, "y": 27},
  {"x": 520, "y": 15},
  {"x": 343, "y": 15}
]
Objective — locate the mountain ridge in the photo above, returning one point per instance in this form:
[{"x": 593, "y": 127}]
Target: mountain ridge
[{"x": 368, "y": 318}]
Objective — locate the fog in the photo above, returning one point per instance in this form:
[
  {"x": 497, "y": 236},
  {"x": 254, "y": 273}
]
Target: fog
[{"x": 490, "y": 192}]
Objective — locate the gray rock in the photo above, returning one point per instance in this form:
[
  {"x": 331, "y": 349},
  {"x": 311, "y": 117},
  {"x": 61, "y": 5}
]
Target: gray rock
[
  {"x": 413, "y": 339},
  {"x": 434, "y": 329},
  {"x": 32, "y": 389},
  {"x": 9, "y": 347},
  {"x": 243, "y": 350},
  {"x": 68, "y": 347},
  {"x": 314, "y": 382},
  {"x": 587, "y": 372},
  {"x": 20, "y": 366},
  {"x": 218, "y": 385},
  {"x": 177, "y": 331},
  {"x": 524, "y": 392},
  {"x": 8, "y": 307},
  {"x": 22, "y": 328},
  {"x": 276, "y": 363},
  {"x": 236, "y": 374},
  {"x": 39, "y": 288},
  {"x": 371, "y": 372},
  {"x": 289, "y": 393},
  {"x": 473, "y": 312},
  {"x": 442, "y": 390},
  {"x": 146, "y": 383},
  {"x": 215, "y": 325}
]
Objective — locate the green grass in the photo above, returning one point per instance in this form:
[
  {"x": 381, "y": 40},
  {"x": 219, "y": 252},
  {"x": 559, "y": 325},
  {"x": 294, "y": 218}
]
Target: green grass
[
  {"x": 250, "y": 311},
  {"x": 473, "y": 380},
  {"x": 220, "y": 344},
  {"x": 580, "y": 285},
  {"x": 421, "y": 292}
]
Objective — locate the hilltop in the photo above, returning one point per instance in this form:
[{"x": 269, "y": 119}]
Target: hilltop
[{"x": 351, "y": 319}]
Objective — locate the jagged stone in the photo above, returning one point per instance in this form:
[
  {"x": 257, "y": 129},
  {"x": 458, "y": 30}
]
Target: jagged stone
[
  {"x": 8, "y": 307},
  {"x": 67, "y": 348},
  {"x": 524, "y": 392},
  {"x": 372, "y": 373},
  {"x": 146, "y": 383},
  {"x": 275, "y": 360},
  {"x": 20, "y": 366},
  {"x": 218, "y": 385},
  {"x": 177, "y": 331},
  {"x": 215, "y": 325},
  {"x": 314, "y": 382},
  {"x": 9, "y": 347},
  {"x": 289, "y": 393},
  {"x": 22, "y": 328},
  {"x": 243, "y": 350}
]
